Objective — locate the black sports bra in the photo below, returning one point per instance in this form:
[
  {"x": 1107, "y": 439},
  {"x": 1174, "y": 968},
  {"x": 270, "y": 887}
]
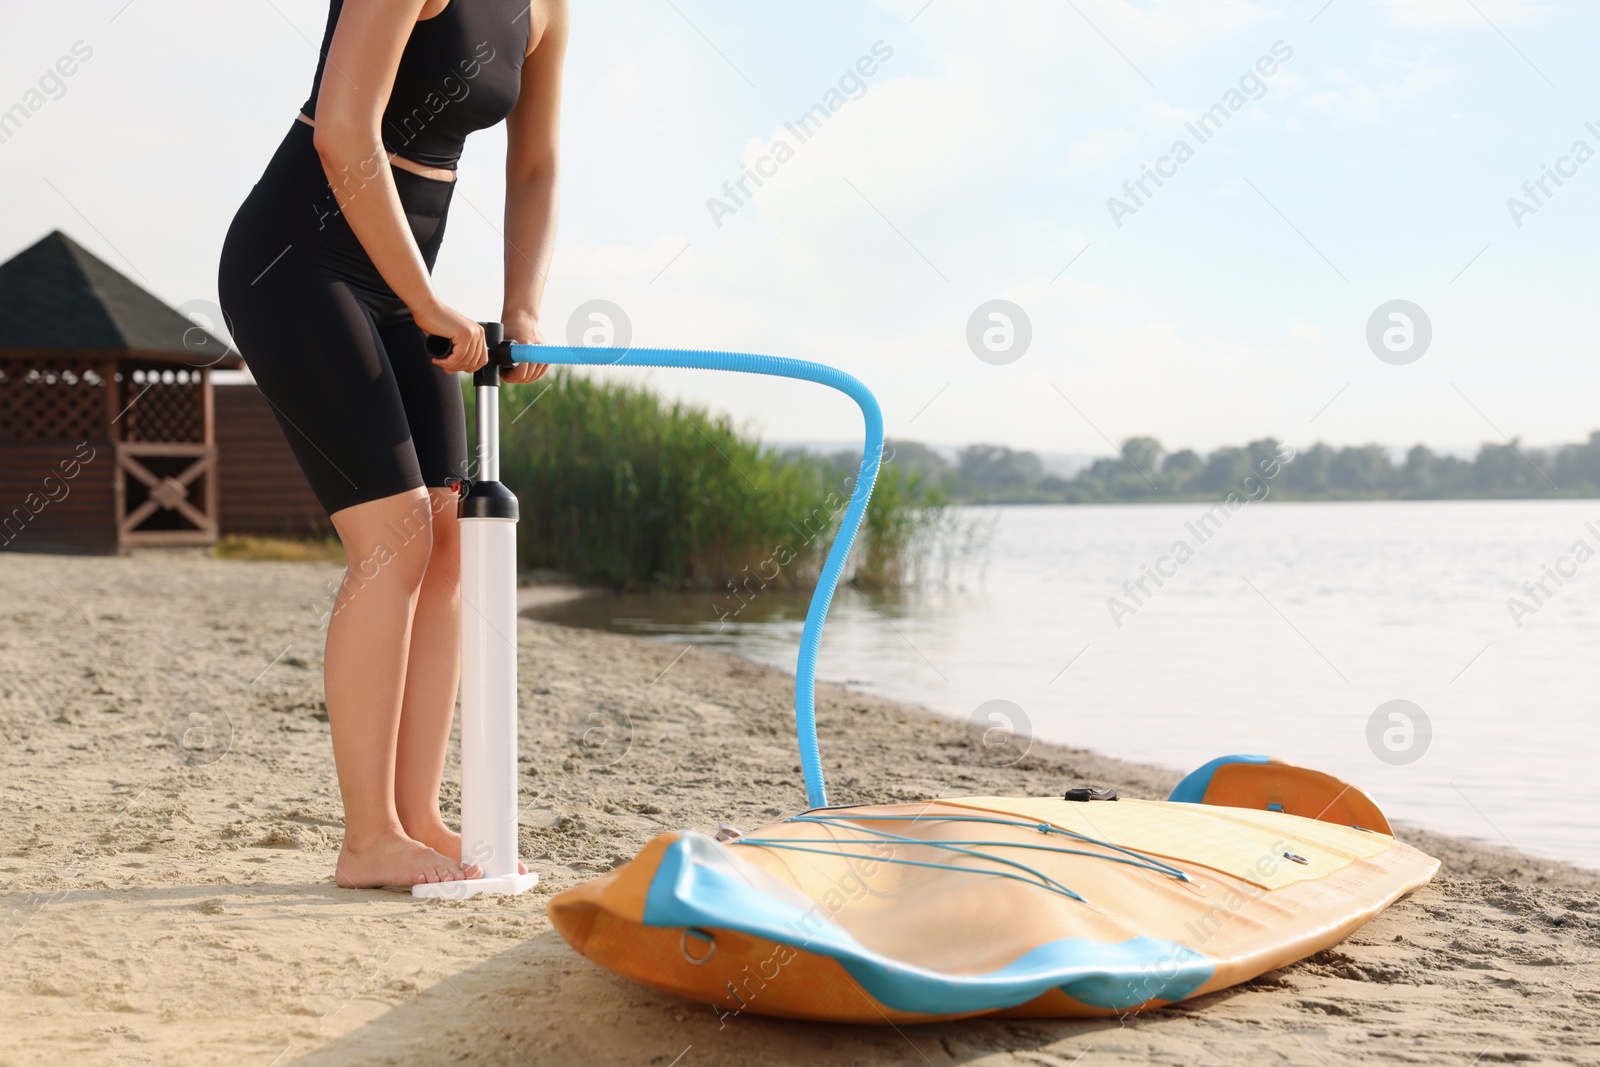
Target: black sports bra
[{"x": 460, "y": 72}]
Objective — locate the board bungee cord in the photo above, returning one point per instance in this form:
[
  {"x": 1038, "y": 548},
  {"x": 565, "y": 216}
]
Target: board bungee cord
[{"x": 962, "y": 848}]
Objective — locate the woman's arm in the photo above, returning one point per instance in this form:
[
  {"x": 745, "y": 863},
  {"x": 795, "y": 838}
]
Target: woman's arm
[
  {"x": 356, "y": 82},
  {"x": 533, "y": 133}
]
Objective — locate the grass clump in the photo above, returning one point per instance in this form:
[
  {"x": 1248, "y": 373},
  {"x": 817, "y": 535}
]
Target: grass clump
[{"x": 243, "y": 546}]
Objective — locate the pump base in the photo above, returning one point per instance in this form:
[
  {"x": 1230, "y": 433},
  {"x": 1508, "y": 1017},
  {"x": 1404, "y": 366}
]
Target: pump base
[{"x": 504, "y": 885}]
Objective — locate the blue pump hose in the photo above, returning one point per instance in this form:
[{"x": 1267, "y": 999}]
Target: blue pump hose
[{"x": 805, "y": 671}]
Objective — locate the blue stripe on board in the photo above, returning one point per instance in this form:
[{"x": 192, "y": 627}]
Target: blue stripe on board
[
  {"x": 1192, "y": 790},
  {"x": 696, "y": 885}
]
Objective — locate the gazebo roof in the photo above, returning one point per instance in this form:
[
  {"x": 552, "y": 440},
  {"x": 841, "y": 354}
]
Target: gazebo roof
[{"x": 57, "y": 296}]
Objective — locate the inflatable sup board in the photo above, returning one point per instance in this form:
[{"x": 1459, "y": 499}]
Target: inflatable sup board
[{"x": 1037, "y": 906}]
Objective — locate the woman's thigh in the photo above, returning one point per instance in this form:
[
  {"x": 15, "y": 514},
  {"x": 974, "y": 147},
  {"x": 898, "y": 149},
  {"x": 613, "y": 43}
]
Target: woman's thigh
[
  {"x": 314, "y": 348},
  {"x": 433, "y": 406}
]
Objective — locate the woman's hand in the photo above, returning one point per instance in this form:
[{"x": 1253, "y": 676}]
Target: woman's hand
[
  {"x": 470, "y": 350},
  {"x": 524, "y": 330}
]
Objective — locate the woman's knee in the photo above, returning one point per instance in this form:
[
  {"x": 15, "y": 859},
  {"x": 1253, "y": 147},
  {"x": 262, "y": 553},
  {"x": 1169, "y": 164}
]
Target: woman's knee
[{"x": 388, "y": 541}]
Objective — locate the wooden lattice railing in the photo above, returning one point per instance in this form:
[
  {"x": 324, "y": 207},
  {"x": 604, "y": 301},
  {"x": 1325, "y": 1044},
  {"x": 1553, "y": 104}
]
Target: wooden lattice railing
[
  {"x": 54, "y": 400},
  {"x": 161, "y": 403}
]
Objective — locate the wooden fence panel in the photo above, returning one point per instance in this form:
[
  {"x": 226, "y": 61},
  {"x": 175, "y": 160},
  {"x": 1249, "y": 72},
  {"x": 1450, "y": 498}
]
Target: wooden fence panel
[
  {"x": 262, "y": 489},
  {"x": 56, "y": 496}
]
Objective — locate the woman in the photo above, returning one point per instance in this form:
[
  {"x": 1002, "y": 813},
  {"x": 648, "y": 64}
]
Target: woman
[{"x": 325, "y": 280}]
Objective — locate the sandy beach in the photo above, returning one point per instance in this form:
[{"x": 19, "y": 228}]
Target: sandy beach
[{"x": 170, "y": 821}]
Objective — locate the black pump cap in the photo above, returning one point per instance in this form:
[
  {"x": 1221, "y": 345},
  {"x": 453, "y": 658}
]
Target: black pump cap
[{"x": 487, "y": 500}]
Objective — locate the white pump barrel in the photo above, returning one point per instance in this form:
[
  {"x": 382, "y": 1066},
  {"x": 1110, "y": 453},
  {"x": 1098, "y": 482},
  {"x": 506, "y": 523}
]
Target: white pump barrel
[
  {"x": 488, "y": 517},
  {"x": 489, "y": 696}
]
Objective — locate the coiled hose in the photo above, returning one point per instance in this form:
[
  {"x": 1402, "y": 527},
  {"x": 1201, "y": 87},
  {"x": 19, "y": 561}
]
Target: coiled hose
[{"x": 805, "y": 671}]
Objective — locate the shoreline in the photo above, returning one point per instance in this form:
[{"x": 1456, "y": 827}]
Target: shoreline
[
  {"x": 171, "y": 899},
  {"x": 531, "y": 598},
  {"x": 545, "y": 609}
]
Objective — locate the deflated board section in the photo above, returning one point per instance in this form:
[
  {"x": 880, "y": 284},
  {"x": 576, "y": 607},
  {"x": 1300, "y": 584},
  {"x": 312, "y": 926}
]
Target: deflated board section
[{"x": 984, "y": 905}]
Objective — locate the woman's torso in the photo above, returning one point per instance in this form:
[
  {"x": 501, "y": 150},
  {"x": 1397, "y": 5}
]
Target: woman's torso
[{"x": 460, "y": 72}]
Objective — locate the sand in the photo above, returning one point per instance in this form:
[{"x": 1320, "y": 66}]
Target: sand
[{"x": 170, "y": 821}]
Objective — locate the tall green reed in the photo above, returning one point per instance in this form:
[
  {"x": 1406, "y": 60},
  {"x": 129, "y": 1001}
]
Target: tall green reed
[{"x": 621, "y": 488}]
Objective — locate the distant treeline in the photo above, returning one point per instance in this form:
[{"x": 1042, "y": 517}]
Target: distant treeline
[
  {"x": 621, "y": 487},
  {"x": 991, "y": 474}
]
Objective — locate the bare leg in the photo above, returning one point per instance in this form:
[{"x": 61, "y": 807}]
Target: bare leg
[
  {"x": 433, "y": 674},
  {"x": 387, "y": 546}
]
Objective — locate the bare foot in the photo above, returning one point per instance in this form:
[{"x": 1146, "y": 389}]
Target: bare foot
[
  {"x": 438, "y": 836},
  {"x": 397, "y": 860}
]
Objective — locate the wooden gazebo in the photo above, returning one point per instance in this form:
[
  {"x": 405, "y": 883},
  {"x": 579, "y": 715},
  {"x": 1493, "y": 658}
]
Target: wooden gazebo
[{"x": 107, "y": 417}]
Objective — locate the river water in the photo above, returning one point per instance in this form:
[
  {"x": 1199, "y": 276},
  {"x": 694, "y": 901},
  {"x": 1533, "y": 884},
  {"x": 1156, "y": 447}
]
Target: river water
[{"x": 1280, "y": 628}]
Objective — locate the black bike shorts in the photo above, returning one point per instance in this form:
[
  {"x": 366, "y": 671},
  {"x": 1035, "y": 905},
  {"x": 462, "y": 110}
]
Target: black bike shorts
[{"x": 331, "y": 347}]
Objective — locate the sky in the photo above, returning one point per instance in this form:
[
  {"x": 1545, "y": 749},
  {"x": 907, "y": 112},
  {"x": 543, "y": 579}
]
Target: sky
[{"x": 1358, "y": 153}]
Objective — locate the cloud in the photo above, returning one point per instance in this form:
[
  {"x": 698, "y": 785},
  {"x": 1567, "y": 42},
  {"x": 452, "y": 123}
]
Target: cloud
[
  {"x": 1366, "y": 102},
  {"x": 1458, "y": 15},
  {"x": 907, "y": 144},
  {"x": 1181, "y": 26},
  {"x": 1144, "y": 31},
  {"x": 1304, "y": 336},
  {"x": 1158, "y": 123},
  {"x": 619, "y": 262},
  {"x": 621, "y": 92}
]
